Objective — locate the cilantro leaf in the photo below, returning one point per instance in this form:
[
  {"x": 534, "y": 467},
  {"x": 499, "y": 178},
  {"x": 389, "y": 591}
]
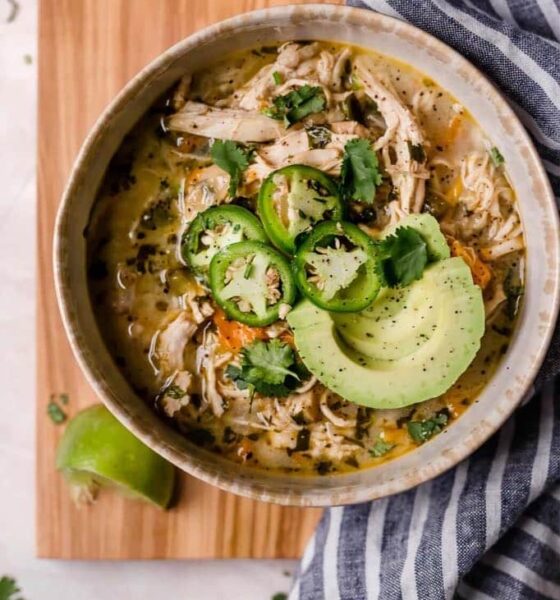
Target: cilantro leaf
[
  {"x": 297, "y": 104},
  {"x": 268, "y": 362},
  {"x": 496, "y": 157},
  {"x": 422, "y": 431},
  {"x": 233, "y": 159},
  {"x": 359, "y": 174},
  {"x": 403, "y": 257},
  {"x": 380, "y": 448},
  {"x": 9, "y": 589},
  {"x": 277, "y": 77},
  {"x": 269, "y": 368}
]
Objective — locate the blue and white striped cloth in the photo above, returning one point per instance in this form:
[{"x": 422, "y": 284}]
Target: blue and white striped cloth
[{"x": 490, "y": 528}]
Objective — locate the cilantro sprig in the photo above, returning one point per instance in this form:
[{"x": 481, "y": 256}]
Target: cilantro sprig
[
  {"x": 233, "y": 159},
  {"x": 269, "y": 368},
  {"x": 9, "y": 589},
  {"x": 297, "y": 104},
  {"x": 403, "y": 256},
  {"x": 359, "y": 175},
  {"x": 422, "y": 431}
]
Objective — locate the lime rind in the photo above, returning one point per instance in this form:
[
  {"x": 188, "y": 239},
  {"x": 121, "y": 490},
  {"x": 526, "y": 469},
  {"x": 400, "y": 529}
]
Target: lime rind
[{"x": 96, "y": 450}]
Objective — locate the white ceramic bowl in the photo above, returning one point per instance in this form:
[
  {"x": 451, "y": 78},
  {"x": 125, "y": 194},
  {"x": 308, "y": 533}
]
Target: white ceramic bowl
[{"x": 451, "y": 71}]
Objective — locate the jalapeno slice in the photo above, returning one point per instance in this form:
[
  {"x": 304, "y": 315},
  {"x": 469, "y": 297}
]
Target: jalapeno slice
[
  {"x": 216, "y": 228},
  {"x": 293, "y": 199},
  {"x": 336, "y": 267},
  {"x": 252, "y": 282}
]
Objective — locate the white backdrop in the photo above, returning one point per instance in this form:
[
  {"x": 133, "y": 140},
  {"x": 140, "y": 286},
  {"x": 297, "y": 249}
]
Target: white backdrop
[{"x": 48, "y": 579}]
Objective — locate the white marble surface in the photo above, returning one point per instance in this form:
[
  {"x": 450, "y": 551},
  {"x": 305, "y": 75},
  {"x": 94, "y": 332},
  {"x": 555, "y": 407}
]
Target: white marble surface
[{"x": 48, "y": 579}]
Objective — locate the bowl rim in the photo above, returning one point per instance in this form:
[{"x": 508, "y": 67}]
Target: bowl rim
[{"x": 65, "y": 299}]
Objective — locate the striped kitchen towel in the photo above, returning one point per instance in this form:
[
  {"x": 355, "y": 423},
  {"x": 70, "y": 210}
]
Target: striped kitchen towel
[{"x": 490, "y": 528}]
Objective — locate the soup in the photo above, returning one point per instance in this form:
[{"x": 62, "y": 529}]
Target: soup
[{"x": 307, "y": 258}]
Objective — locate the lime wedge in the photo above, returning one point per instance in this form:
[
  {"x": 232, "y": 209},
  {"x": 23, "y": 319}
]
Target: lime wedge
[{"x": 96, "y": 450}]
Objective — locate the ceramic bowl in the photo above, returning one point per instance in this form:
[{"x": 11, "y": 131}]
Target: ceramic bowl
[{"x": 399, "y": 40}]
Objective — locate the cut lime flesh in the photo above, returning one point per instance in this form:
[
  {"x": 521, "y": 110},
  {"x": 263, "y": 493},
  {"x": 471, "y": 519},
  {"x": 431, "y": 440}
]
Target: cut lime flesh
[{"x": 97, "y": 449}]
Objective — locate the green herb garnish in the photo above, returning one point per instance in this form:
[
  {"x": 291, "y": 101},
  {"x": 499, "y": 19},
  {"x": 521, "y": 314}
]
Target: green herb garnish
[
  {"x": 280, "y": 596},
  {"x": 403, "y": 257},
  {"x": 422, "y": 431},
  {"x": 318, "y": 136},
  {"x": 359, "y": 175},
  {"x": 9, "y": 589},
  {"x": 380, "y": 448},
  {"x": 56, "y": 414},
  {"x": 268, "y": 368},
  {"x": 277, "y": 77},
  {"x": 233, "y": 159},
  {"x": 175, "y": 392},
  {"x": 298, "y": 104},
  {"x": 496, "y": 156}
]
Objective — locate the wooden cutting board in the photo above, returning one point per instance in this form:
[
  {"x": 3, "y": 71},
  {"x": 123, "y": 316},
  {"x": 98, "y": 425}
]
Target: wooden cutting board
[{"x": 88, "y": 49}]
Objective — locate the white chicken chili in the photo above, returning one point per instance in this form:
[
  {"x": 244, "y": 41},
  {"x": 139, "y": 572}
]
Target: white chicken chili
[{"x": 307, "y": 258}]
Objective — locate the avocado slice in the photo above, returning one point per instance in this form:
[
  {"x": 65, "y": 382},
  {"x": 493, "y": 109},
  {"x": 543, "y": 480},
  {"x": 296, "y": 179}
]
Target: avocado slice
[
  {"x": 412, "y": 344},
  {"x": 428, "y": 227}
]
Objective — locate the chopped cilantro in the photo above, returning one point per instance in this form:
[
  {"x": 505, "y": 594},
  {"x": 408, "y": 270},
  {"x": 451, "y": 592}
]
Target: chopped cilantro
[
  {"x": 496, "y": 156},
  {"x": 318, "y": 136},
  {"x": 9, "y": 589},
  {"x": 277, "y": 77},
  {"x": 175, "y": 392},
  {"x": 56, "y": 414},
  {"x": 233, "y": 159},
  {"x": 297, "y": 104},
  {"x": 422, "y": 431},
  {"x": 359, "y": 175},
  {"x": 355, "y": 82},
  {"x": 402, "y": 257},
  {"x": 268, "y": 368},
  {"x": 280, "y": 596},
  {"x": 380, "y": 448}
]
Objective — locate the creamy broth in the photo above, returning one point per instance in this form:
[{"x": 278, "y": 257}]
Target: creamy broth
[{"x": 174, "y": 343}]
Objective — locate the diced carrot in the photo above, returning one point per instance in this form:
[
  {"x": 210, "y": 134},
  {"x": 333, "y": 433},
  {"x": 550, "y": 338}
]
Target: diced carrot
[
  {"x": 481, "y": 272},
  {"x": 287, "y": 337},
  {"x": 234, "y": 335}
]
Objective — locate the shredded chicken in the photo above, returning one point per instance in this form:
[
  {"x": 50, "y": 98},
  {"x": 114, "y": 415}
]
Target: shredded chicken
[
  {"x": 168, "y": 346},
  {"x": 402, "y": 134},
  {"x": 208, "y": 360},
  {"x": 176, "y": 393},
  {"x": 181, "y": 92},
  {"x": 225, "y": 123},
  {"x": 208, "y": 186}
]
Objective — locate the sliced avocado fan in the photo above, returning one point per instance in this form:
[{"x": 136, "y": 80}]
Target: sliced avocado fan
[
  {"x": 96, "y": 450},
  {"x": 410, "y": 345}
]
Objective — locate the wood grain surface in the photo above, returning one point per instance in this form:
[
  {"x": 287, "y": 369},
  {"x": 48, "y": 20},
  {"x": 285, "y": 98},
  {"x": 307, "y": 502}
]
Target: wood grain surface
[{"x": 88, "y": 49}]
